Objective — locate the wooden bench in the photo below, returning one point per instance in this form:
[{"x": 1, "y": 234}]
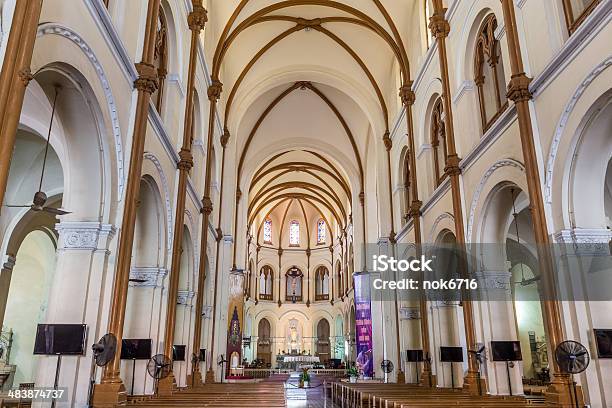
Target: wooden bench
[{"x": 264, "y": 394}]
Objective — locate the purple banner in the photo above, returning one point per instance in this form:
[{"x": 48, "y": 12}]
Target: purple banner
[{"x": 363, "y": 325}]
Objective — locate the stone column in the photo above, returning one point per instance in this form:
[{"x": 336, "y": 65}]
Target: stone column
[
  {"x": 14, "y": 79},
  {"x": 196, "y": 20},
  {"x": 111, "y": 391},
  {"x": 80, "y": 285},
  {"x": 440, "y": 29},
  {"x": 558, "y": 393},
  {"x": 408, "y": 98}
]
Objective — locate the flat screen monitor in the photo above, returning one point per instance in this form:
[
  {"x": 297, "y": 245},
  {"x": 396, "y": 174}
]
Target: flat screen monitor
[
  {"x": 451, "y": 354},
  {"x": 414, "y": 356},
  {"x": 506, "y": 351},
  {"x": 334, "y": 363},
  {"x": 135, "y": 349},
  {"x": 178, "y": 352},
  {"x": 202, "y": 355},
  {"x": 64, "y": 339},
  {"x": 603, "y": 339}
]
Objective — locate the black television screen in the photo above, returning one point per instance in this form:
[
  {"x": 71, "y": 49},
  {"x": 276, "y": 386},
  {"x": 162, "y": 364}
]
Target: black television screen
[
  {"x": 135, "y": 349},
  {"x": 603, "y": 339},
  {"x": 65, "y": 339},
  {"x": 334, "y": 363},
  {"x": 414, "y": 356},
  {"x": 202, "y": 355},
  {"x": 178, "y": 352},
  {"x": 451, "y": 354},
  {"x": 506, "y": 351}
]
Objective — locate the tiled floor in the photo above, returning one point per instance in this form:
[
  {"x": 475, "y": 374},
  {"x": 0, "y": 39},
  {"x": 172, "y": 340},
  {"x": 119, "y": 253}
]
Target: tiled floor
[{"x": 305, "y": 397}]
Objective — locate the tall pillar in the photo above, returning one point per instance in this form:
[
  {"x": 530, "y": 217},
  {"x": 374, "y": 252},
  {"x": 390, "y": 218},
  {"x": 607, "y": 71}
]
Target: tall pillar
[
  {"x": 401, "y": 378},
  {"x": 196, "y": 20},
  {"x": 111, "y": 391},
  {"x": 558, "y": 393},
  {"x": 408, "y": 98},
  {"x": 14, "y": 79},
  {"x": 214, "y": 93},
  {"x": 440, "y": 29}
]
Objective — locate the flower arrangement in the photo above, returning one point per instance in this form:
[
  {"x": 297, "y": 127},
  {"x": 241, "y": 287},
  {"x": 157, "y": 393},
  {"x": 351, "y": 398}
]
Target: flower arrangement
[
  {"x": 352, "y": 371},
  {"x": 304, "y": 378}
]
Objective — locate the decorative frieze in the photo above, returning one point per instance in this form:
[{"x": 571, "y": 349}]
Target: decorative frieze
[
  {"x": 148, "y": 276},
  {"x": 585, "y": 241},
  {"x": 83, "y": 235},
  {"x": 494, "y": 280},
  {"x": 409, "y": 313},
  {"x": 185, "y": 297}
]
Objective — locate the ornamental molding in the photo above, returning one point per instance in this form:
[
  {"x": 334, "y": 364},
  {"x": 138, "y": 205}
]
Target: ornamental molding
[
  {"x": 465, "y": 87},
  {"x": 437, "y": 304},
  {"x": 483, "y": 181},
  {"x": 184, "y": 297},
  {"x": 409, "y": 313},
  {"x": 207, "y": 311},
  {"x": 561, "y": 125},
  {"x": 166, "y": 191},
  {"x": 585, "y": 241},
  {"x": 494, "y": 280},
  {"x": 151, "y": 276},
  {"x": 8, "y": 262},
  {"x": 62, "y": 31},
  {"x": 438, "y": 193},
  {"x": 438, "y": 220},
  {"x": 83, "y": 235}
]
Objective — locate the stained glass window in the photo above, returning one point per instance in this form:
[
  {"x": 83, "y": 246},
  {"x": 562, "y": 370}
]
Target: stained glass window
[
  {"x": 267, "y": 231},
  {"x": 294, "y": 233},
  {"x": 321, "y": 232}
]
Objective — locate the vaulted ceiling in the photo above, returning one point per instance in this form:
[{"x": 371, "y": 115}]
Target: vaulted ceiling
[{"x": 310, "y": 88}]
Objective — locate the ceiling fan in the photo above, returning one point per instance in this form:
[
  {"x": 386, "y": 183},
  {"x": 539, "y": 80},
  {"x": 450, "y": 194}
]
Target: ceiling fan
[{"x": 40, "y": 198}]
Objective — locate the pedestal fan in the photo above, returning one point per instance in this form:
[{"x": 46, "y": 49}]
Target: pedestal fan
[
  {"x": 387, "y": 367},
  {"x": 159, "y": 367},
  {"x": 572, "y": 358},
  {"x": 103, "y": 352},
  {"x": 479, "y": 355}
]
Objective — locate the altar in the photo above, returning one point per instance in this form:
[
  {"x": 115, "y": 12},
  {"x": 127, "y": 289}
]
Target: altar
[
  {"x": 301, "y": 359},
  {"x": 296, "y": 362}
]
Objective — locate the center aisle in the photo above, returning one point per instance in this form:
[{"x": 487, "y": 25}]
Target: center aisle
[{"x": 311, "y": 397}]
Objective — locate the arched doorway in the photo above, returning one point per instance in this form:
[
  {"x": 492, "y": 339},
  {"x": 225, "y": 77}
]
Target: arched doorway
[
  {"x": 323, "y": 348},
  {"x": 264, "y": 343}
]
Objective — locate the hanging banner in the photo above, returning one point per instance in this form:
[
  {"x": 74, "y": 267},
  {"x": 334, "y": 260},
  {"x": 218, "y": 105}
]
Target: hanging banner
[{"x": 363, "y": 324}]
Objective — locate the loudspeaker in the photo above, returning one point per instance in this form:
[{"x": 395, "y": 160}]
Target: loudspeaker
[{"x": 202, "y": 355}]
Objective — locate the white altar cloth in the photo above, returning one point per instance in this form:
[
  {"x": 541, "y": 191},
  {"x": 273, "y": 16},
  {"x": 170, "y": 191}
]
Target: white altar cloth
[{"x": 301, "y": 359}]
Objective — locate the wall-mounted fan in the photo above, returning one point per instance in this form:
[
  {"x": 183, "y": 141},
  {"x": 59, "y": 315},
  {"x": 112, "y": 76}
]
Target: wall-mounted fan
[
  {"x": 572, "y": 358},
  {"x": 40, "y": 198},
  {"x": 103, "y": 352}
]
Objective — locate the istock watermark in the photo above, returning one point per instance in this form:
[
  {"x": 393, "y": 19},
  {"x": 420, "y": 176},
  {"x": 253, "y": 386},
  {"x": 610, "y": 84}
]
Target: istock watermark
[{"x": 487, "y": 272}]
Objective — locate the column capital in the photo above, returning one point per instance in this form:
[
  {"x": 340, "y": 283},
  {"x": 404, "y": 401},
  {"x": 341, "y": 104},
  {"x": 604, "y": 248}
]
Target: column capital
[
  {"x": 147, "y": 276},
  {"x": 225, "y": 137},
  {"x": 147, "y": 78},
  {"x": 197, "y": 18},
  {"x": 214, "y": 90},
  {"x": 438, "y": 24},
  {"x": 185, "y": 160},
  {"x": 207, "y": 205},
  {"x": 407, "y": 94},
  {"x": 387, "y": 141},
  {"x": 452, "y": 165},
  {"x": 518, "y": 88},
  {"x": 25, "y": 76},
  {"x": 415, "y": 208}
]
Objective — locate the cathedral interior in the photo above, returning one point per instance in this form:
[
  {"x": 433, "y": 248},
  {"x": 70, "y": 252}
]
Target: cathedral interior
[{"x": 196, "y": 195}]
